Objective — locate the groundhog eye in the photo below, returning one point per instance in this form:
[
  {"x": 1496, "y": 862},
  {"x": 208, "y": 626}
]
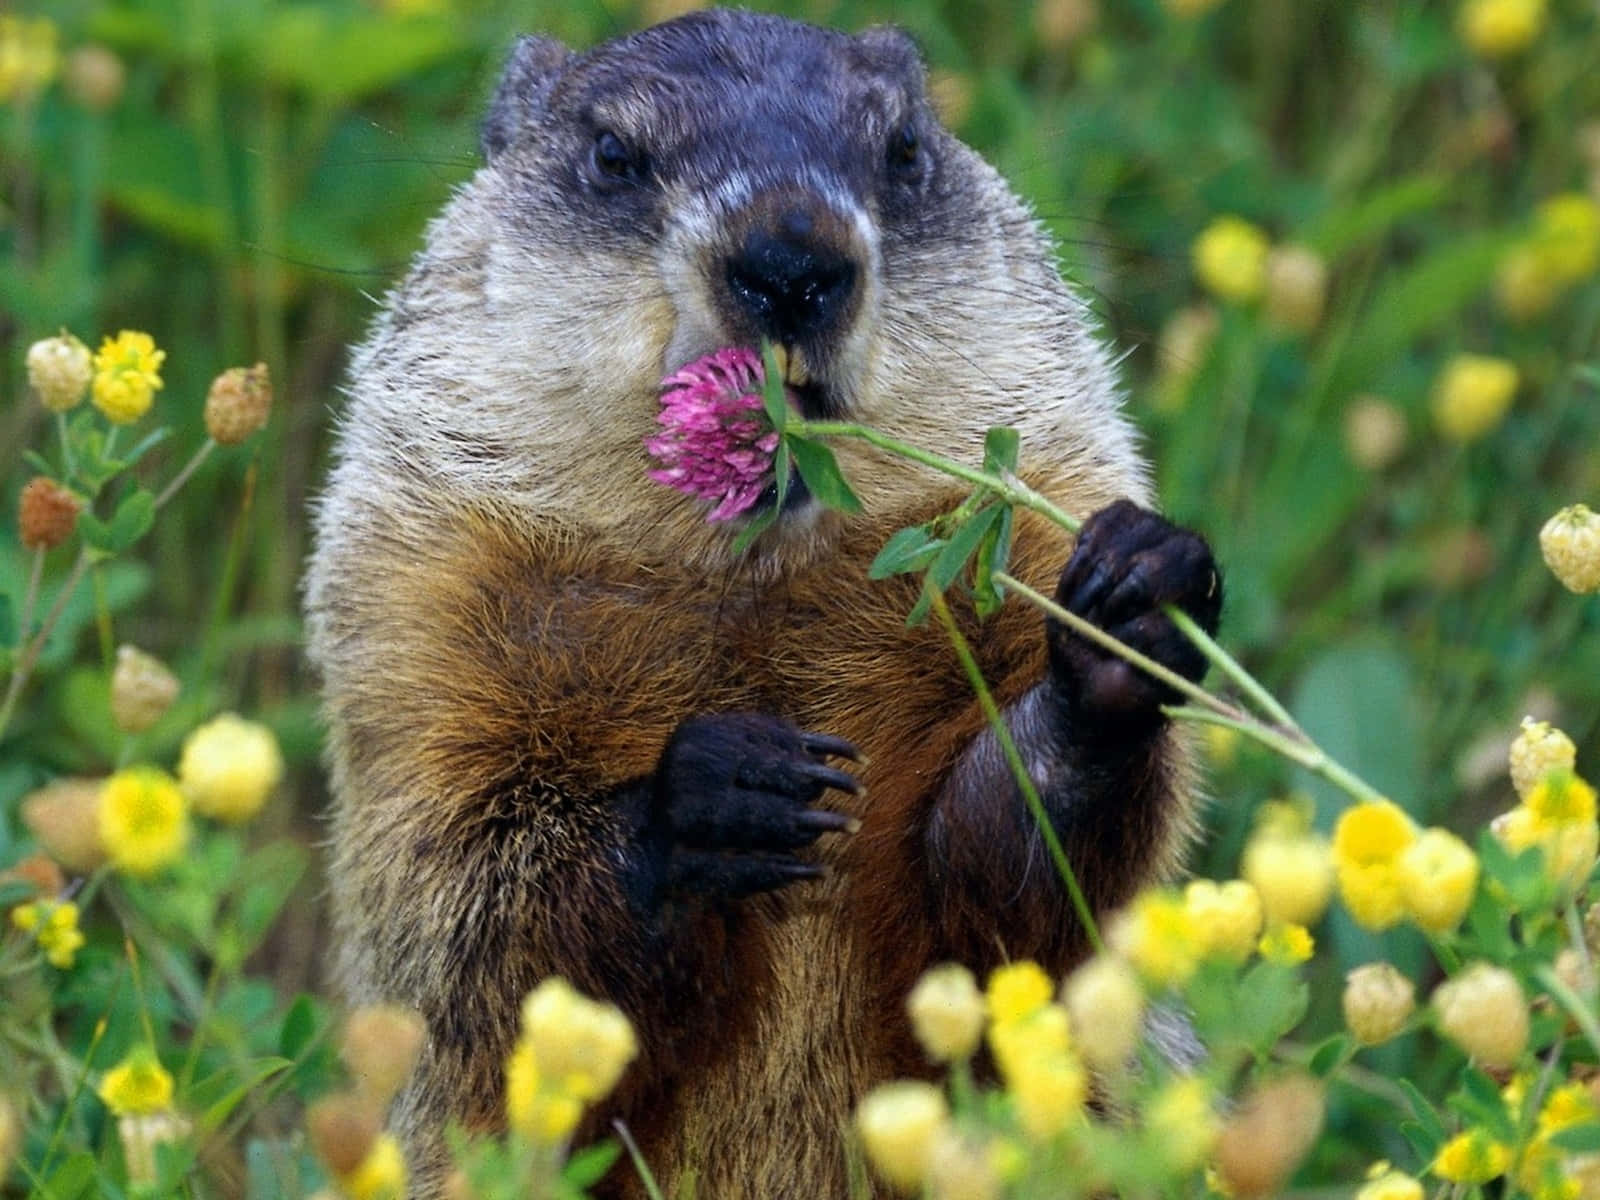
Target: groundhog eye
[
  {"x": 614, "y": 160},
  {"x": 905, "y": 150}
]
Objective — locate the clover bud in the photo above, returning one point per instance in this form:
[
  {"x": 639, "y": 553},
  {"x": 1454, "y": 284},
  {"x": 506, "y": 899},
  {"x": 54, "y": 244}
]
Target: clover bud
[
  {"x": 1269, "y": 1135},
  {"x": 898, "y": 1123},
  {"x": 142, "y": 689},
  {"x": 1378, "y": 999},
  {"x": 1484, "y": 1012},
  {"x": 238, "y": 403},
  {"x": 1570, "y": 543},
  {"x": 380, "y": 1046},
  {"x": 59, "y": 371},
  {"x": 46, "y": 513},
  {"x": 947, "y": 1013}
]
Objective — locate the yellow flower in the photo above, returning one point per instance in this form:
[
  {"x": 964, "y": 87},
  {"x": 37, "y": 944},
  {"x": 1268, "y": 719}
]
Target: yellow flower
[
  {"x": 1570, "y": 545},
  {"x": 1021, "y": 1044},
  {"x": 1287, "y": 945},
  {"x": 1471, "y": 396},
  {"x": 582, "y": 1046},
  {"x": 54, "y": 926},
  {"x": 1183, "y": 1122},
  {"x": 381, "y": 1175},
  {"x": 1484, "y": 1012},
  {"x": 1390, "y": 1185},
  {"x": 1105, "y": 1005},
  {"x": 28, "y": 57},
  {"x": 1291, "y": 871},
  {"x": 898, "y": 1123},
  {"x": 59, "y": 370},
  {"x": 1561, "y": 798},
  {"x": 1498, "y": 28},
  {"x": 1569, "y": 848},
  {"x": 144, "y": 821},
  {"x": 1539, "y": 748},
  {"x": 1568, "y": 1105},
  {"x": 1471, "y": 1157},
  {"x": 1567, "y": 235},
  {"x": 1017, "y": 990},
  {"x": 1525, "y": 285},
  {"x": 1226, "y": 917},
  {"x": 1377, "y": 1001},
  {"x": 228, "y": 767},
  {"x": 1367, "y": 843},
  {"x": 1438, "y": 878},
  {"x": 1049, "y": 1094},
  {"x": 946, "y": 1012},
  {"x": 138, "y": 1084},
  {"x": 534, "y": 1108},
  {"x": 1222, "y": 745},
  {"x": 1230, "y": 257},
  {"x": 126, "y": 376},
  {"x": 1155, "y": 934}
]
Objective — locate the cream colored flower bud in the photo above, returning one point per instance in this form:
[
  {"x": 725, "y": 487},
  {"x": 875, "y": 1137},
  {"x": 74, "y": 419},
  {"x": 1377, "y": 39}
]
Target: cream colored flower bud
[
  {"x": 65, "y": 818},
  {"x": 1375, "y": 432},
  {"x": 229, "y": 767},
  {"x": 947, "y": 1013},
  {"x": 1570, "y": 543},
  {"x": 1539, "y": 749},
  {"x": 1297, "y": 288},
  {"x": 141, "y": 1134},
  {"x": 961, "y": 1168},
  {"x": 1378, "y": 999},
  {"x": 1390, "y": 1185},
  {"x": 1269, "y": 1135},
  {"x": 581, "y": 1044},
  {"x": 343, "y": 1129},
  {"x": 1292, "y": 873},
  {"x": 380, "y": 1047},
  {"x": 59, "y": 371},
  {"x": 142, "y": 689},
  {"x": 1227, "y": 917},
  {"x": 95, "y": 77},
  {"x": 1484, "y": 1012},
  {"x": 238, "y": 403},
  {"x": 1105, "y": 1005},
  {"x": 898, "y": 1123}
]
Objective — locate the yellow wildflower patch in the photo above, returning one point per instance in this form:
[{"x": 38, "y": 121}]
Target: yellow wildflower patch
[{"x": 1017, "y": 990}]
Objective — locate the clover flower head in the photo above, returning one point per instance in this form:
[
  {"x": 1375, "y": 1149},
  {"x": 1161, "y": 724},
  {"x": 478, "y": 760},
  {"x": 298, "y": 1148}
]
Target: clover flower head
[
  {"x": 1484, "y": 1012},
  {"x": 1157, "y": 934},
  {"x": 138, "y": 1084},
  {"x": 1106, "y": 1007},
  {"x": 228, "y": 767},
  {"x": 1385, "y": 1183},
  {"x": 381, "y": 1175},
  {"x": 1471, "y": 1157},
  {"x": 1438, "y": 876},
  {"x": 144, "y": 822},
  {"x": 1570, "y": 544},
  {"x": 716, "y": 442},
  {"x": 1287, "y": 945},
  {"x": 1377, "y": 1001},
  {"x": 54, "y": 926},
  {"x": 1230, "y": 258},
  {"x": 1227, "y": 917},
  {"x": 1538, "y": 749},
  {"x": 59, "y": 370},
  {"x": 1472, "y": 394},
  {"x": 898, "y": 1123},
  {"x": 1291, "y": 870},
  {"x": 1367, "y": 843},
  {"x": 947, "y": 1012},
  {"x": 126, "y": 376},
  {"x": 1500, "y": 28},
  {"x": 1017, "y": 990}
]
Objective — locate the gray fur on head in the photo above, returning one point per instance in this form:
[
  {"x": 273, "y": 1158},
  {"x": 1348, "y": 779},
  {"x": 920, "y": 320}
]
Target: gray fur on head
[{"x": 530, "y": 73}]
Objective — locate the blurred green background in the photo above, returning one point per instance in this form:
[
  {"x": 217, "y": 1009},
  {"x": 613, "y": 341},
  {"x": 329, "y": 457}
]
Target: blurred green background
[{"x": 243, "y": 179}]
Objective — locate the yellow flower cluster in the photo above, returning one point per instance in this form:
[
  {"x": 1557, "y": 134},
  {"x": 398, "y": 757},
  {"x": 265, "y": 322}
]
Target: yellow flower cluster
[
  {"x": 1500, "y": 28},
  {"x": 228, "y": 767},
  {"x": 1287, "y": 945},
  {"x": 1388, "y": 871},
  {"x": 1289, "y": 865},
  {"x": 1558, "y": 816},
  {"x": 1182, "y": 1121},
  {"x": 1561, "y": 251},
  {"x": 126, "y": 376},
  {"x": 1538, "y": 748},
  {"x": 1543, "y": 1169},
  {"x": 381, "y": 1175},
  {"x": 1471, "y": 1157},
  {"x": 1226, "y": 917},
  {"x": 54, "y": 927},
  {"x": 1472, "y": 395},
  {"x": 139, "y": 1084},
  {"x": 572, "y": 1052},
  {"x": 898, "y": 1124},
  {"x": 28, "y": 57},
  {"x": 143, "y": 819},
  {"x": 1030, "y": 1036}
]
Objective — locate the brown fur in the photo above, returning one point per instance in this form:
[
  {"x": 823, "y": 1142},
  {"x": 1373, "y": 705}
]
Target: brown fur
[{"x": 511, "y": 621}]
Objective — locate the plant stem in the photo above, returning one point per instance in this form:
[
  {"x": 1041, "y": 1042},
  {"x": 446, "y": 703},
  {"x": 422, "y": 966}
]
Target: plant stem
[
  {"x": 1296, "y": 748},
  {"x": 1247, "y": 683},
  {"x": 1030, "y": 793},
  {"x": 30, "y": 653},
  {"x": 182, "y": 477},
  {"x": 30, "y": 597},
  {"x": 1009, "y": 487},
  {"x": 66, "y": 446},
  {"x": 652, "y": 1189},
  {"x": 1569, "y": 1000}
]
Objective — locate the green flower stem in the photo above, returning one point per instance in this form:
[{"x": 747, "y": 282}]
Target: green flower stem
[
  {"x": 1296, "y": 749},
  {"x": 1008, "y": 487},
  {"x": 652, "y": 1189},
  {"x": 1030, "y": 793},
  {"x": 1580, "y": 944},
  {"x": 30, "y": 652},
  {"x": 66, "y": 445},
  {"x": 82, "y": 1081},
  {"x": 1121, "y": 649},
  {"x": 30, "y": 597},
  {"x": 189, "y": 468},
  {"x": 1580, "y": 1012},
  {"x": 1247, "y": 683}
]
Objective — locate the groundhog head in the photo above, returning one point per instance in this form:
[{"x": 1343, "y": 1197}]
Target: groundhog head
[{"x": 728, "y": 177}]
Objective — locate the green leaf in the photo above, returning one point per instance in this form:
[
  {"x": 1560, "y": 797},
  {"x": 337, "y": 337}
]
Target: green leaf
[
  {"x": 773, "y": 398},
  {"x": 10, "y": 635},
  {"x": 96, "y": 533},
  {"x": 782, "y": 477},
  {"x": 589, "y": 1165},
  {"x": 1330, "y": 1054},
  {"x": 74, "y": 1177},
  {"x": 38, "y": 462},
  {"x": 820, "y": 469},
  {"x": 146, "y": 444},
  {"x": 753, "y": 530},
  {"x": 302, "y": 1026},
  {"x": 962, "y": 545},
  {"x": 1001, "y": 445},
  {"x": 1580, "y": 1139},
  {"x": 269, "y": 878},
  {"x": 910, "y": 549},
  {"x": 1373, "y": 215},
  {"x": 134, "y": 516},
  {"x": 1479, "y": 1100},
  {"x": 1427, "y": 1118},
  {"x": 227, "y": 1097},
  {"x": 994, "y": 553}
]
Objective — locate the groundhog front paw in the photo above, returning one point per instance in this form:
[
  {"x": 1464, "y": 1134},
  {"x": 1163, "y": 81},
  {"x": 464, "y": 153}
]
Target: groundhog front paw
[
  {"x": 1127, "y": 565},
  {"x": 734, "y": 799}
]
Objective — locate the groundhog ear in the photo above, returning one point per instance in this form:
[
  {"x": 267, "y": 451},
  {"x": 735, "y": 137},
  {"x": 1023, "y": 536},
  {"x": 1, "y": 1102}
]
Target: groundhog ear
[
  {"x": 893, "y": 52},
  {"x": 535, "y": 64}
]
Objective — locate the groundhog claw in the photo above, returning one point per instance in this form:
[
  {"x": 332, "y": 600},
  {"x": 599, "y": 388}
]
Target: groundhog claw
[{"x": 829, "y": 746}]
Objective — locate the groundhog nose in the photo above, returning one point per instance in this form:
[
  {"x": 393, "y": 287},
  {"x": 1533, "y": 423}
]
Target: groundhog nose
[{"x": 790, "y": 286}]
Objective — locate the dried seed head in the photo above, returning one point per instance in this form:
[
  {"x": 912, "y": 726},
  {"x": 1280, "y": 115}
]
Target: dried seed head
[
  {"x": 39, "y": 873},
  {"x": 343, "y": 1129},
  {"x": 380, "y": 1047},
  {"x": 95, "y": 77},
  {"x": 1266, "y": 1139},
  {"x": 1377, "y": 1001},
  {"x": 1297, "y": 288},
  {"x": 65, "y": 818},
  {"x": 46, "y": 513},
  {"x": 59, "y": 370},
  {"x": 1570, "y": 543},
  {"x": 1375, "y": 432},
  {"x": 142, "y": 689},
  {"x": 238, "y": 403}
]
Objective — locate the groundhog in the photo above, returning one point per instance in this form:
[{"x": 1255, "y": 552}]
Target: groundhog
[{"x": 572, "y": 732}]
